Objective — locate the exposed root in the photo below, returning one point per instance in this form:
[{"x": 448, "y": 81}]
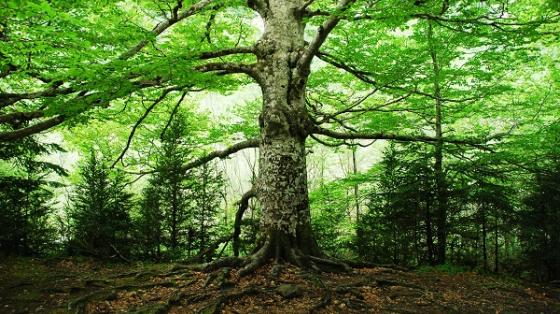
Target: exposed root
[
  {"x": 78, "y": 305},
  {"x": 219, "y": 278},
  {"x": 231, "y": 261},
  {"x": 331, "y": 265},
  {"x": 215, "y": 306},
  {"x": 279, "y": 254},
  {"x": 110, "y": 293},
  {"x": 276, "y": 270},
  {"x": 360, "y": 264},
  {"x": 255, "y": 261}
]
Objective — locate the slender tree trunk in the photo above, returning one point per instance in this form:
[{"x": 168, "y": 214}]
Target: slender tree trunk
[
  {"x": 356, "y": 186},
  {"x": 496, "y": 247},
  {"x": 441, "y": 195},
  {"x": 484, "y": 234},
  {"x": 429, "y": 234},
  {"x": 174, "y": 213}
]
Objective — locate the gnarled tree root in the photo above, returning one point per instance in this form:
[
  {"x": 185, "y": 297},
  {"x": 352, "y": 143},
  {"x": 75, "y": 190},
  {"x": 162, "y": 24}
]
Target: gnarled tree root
[{"x": 279, "y": 253}]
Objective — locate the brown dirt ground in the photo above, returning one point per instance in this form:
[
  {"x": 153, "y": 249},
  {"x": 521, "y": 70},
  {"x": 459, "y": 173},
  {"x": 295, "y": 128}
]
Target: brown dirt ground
[{"x": 88, "y": 286}]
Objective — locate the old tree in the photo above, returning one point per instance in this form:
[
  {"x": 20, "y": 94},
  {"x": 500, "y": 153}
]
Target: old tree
[{"x": 332, "y": 71}]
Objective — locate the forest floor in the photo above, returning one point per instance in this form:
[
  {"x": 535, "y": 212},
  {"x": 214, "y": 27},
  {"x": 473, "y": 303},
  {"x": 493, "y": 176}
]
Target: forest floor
[{"x": 80, "y": 285}]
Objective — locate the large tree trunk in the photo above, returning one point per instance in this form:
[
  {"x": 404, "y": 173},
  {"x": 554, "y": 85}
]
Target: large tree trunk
[
  {"x": 282, "y": 71},
  {"x": 282, "y": 184}
]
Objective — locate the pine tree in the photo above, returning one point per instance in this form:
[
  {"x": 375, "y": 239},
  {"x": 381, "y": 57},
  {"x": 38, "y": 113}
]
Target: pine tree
[
  {"x": 100, "y": 220},
  {"x": 205, "y": 196},
  {"x": 26, "y": 197},
  {"x": 149, "y": 226},
  {"x": 540, "y": 225}
]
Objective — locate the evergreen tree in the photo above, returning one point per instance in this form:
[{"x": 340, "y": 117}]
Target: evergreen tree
[
  {"x": 540, "y": 226},
  {"x": 100, "y": 220},
  {"x": 26, "y": 197},
  {"x": 150, "y": 223},
  {"x": 205, "y": 201},
  {"x": 173, "y": 186}
]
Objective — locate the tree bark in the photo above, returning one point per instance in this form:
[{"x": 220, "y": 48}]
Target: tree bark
[
  {"x": 484, "y": 235},
  {"x": 282, "y": 183},
  {"x": 441, "y": 194},
  {"x": 429, "y": 233},
  {"x": 496, "y": 245}
]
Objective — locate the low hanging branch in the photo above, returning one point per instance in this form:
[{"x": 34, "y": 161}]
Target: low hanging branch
[
  {"x": 30, "y": 130},
  {"x": 54, "y": 90},
  {"x": 146, "y": 113},
  {"x": 250, "y": 143},
  {"x": 478, "y": 143}
]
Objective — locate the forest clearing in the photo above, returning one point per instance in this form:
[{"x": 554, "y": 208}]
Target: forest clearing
[{"x": 268, "y": 156}]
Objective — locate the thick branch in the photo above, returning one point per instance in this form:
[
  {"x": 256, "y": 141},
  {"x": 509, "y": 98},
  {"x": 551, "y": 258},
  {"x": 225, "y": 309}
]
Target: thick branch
[
  {"x": 226, "y": 52},
  {"x": 21, "y": 116},
  {"x": 7, "y": 99},
  {"x": 404, "y": 138},
  {"x": 93, "y": 99},
  {"x": 30, "y": 130},
  {"x": 251, "y": 143},
  {"x": 228, "y": 68},
  {"x": 322, "y": 34}
]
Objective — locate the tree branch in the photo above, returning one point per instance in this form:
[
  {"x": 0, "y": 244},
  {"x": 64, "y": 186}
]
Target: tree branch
[
  {"x": 364, "y": 76},
  {"x": 250, "y": 143},
  {"x": 33, "y": 129},
  {"x": 226, "y": 52},
  {"x": 137, "y": 124},
  {"x": 161, "y": 27},
  {"x": 228, "y": 68},
  {"x": 243, "y": 205},
  {"x": 7, "y": 99},
  {"x": 322, "y": 34},
  {"x": 403, "y": 138},
  {"x": 20, "y": 116},
  {"x": 173, "y": 112}
]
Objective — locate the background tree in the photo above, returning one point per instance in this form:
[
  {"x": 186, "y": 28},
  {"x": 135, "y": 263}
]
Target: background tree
[
  {"x": 205, "y": 201},
  {"x": 26, "y": 197},
  {"x": 150, "y": 223},
  {"x": 99, "y": 216}
]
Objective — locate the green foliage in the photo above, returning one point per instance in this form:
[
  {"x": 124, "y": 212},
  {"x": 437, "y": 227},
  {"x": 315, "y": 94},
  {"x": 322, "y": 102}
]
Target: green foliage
[
  {"x": 179, "y": 211},
  {"x": 206, "y": 196},
  {"x": 100, "y": 224},
  {"x": 26, "y": 197},
  {"x": 490, "y": 67},
  {"x": 540, "y": 223}
]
